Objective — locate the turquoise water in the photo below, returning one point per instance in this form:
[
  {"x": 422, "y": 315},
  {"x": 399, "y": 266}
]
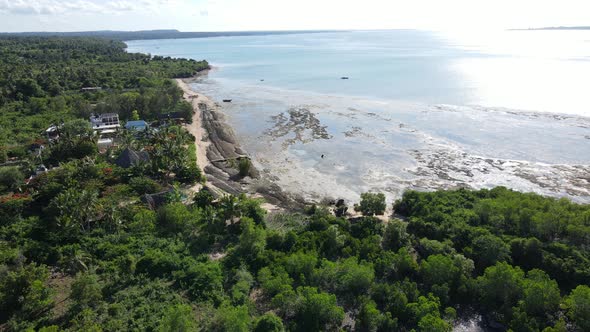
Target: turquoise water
[
  {"x": 529, "y": 70},
  {"x": 421, "y": 110}
]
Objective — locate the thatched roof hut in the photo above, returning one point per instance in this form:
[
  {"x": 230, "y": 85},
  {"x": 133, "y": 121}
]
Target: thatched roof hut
[{"x": 130, "y": 157}]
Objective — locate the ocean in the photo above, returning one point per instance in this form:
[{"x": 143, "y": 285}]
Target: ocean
[{"x": 418, "y": 110}]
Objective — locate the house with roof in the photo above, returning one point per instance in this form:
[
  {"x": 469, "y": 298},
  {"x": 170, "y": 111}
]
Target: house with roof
[
  {"x": 176, "y": 117},
  {"x": 52, "y": 133},
  {"x": 106, "y": 139},
  {"x": 91, "y": 89},
  {"x": 130, "y": 157},
  {"x": 154, "y": 201},
  {"x": 106, "y": 121},
  {"x": 106, "y": 126}
]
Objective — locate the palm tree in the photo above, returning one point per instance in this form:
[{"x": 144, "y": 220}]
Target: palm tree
[
  {"x": 111, "y": 218},
  {"x": 78, "y": 262},
  {"x": 76, "y": 209},
  {"x": 128, "y": 140},
  {"x": 230, "y": 207}
]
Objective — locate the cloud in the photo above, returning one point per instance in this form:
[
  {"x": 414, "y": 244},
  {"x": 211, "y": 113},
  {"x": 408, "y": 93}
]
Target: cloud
[
  {"x": 193, "y": 15},
  {"x": 55, "y": 7},
  {"x": 21, "y": 7}
]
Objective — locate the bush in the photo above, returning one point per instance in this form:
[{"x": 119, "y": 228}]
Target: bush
[
  {"x": 178, "y": 318},
  {"x": 230, "y": 318},
  {"x": 174, "y": 218},
  {"x": 316, "y": 311},
  {"x": 395, "y": 235},
  {"x": 11, "y": 178},
  {"x": 84, "y": 149},
  {"x": 78, "y": 127},
  {"x": 578, "y": 307},
  {"x": 371, "y": 204},
  {"x": 204, "y": 198},
  {"x": 269, "y": 322},
  {"x": 3, "y": 155},
  {"x": 244, "y": 166},
  {"x": 86, "y": 292},
  {"x": 189, "y": 174},
  {"x": 144, "y": 185},
  {"x": 23, "y": 292},
  {"x": 12, "y": 206}
]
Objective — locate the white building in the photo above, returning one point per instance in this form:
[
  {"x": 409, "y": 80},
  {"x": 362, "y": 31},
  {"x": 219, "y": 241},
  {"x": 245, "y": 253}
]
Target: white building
[
  {"x": 106, "y": 121},
  {"x": 106, "y": 139},
  {"x": 52, "y": 133}
]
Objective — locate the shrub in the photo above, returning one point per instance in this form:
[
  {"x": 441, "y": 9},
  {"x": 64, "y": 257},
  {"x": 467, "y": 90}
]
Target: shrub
[
  {"x": 24, "y": 292},
  {"x": 144, "y": 185},
  {"x": 578, "y": 307},
  {"x": 371, "y": 204},
  {"x": 11, "y": 178},
  {"x": 230, "y": 318},
  {"x": 269, "y": 322},
  {"x": 178, "y": 318},
  {"x": 189, "y": 174},
  {"x": 174, "y": 218},
  {"x": 86, "y": 291},
  {"x": 204, "y": 198},
  {"x": 244, "y": 166},
  {"x": 316, "y": 311},
  {"x": 78, "y": 127},
  {"x": 396, "y": 235}
]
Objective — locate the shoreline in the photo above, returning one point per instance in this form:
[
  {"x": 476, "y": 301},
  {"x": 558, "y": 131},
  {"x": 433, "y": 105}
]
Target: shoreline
[
  {"x": 283, "y": 180},
  {"x": 217, "y": 150},
  {"x": 196, "y": 127}
]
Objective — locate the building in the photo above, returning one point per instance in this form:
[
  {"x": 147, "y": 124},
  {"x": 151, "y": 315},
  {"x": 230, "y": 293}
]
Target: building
[
  {"x": 52, "y": 133},
  {"x": 174, "y": 116},
  {"x": 129, "y": 158},
  {"x": 154, "y": 201},
  {"x": 40, "y": 170},
  {"x": 106, "y": 139},
  {"x": 91, "y": 89},
  {"x": 105, "y": 126},
  {"x": 105, "y": 121},
  {"x": 138, "y": 125}
]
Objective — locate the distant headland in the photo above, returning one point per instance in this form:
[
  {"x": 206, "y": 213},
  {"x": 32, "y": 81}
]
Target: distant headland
[
  {"x": 558, "y": 28},
  {"x": 155, "y": 34}
]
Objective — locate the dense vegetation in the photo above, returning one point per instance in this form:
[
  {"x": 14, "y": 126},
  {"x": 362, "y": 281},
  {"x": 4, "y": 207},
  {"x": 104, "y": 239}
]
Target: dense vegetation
[
  {"x": 41, "y": 79},
  {"x": 157, "y": 34},
  {"x": 82, "y": 249}
]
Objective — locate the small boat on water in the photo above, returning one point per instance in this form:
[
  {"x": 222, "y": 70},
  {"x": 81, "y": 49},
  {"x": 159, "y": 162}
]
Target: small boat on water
[
  {"x": 227, "y": 100},
  {"x": 344, "y": 77}
]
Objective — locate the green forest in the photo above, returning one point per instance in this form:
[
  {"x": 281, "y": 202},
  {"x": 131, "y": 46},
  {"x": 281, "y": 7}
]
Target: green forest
[{"x": 96, "y": 245}]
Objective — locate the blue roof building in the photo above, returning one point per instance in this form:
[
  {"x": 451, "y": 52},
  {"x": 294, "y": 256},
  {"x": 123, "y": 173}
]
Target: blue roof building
[{"x": 138, "y": 125}]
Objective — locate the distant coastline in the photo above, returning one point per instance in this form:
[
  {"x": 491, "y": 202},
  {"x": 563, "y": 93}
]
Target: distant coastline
[
  {"x": 555, "y": 28},
  {"x": 293, "y": 121},
  {"x": 156, "y": 34}
]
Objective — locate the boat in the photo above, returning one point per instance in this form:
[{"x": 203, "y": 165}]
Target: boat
[
  {"x": 344, "y": 77},
  {"x": 227, "y": 100}
]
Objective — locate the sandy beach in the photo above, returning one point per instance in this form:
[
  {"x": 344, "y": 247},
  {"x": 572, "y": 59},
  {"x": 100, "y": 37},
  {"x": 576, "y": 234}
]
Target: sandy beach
[
  {"x": 215, "y": 142},
  {"x": 384, "y": 130},
  {"x": 217, "y": 151},
  {"x": 196, "y": 128}
]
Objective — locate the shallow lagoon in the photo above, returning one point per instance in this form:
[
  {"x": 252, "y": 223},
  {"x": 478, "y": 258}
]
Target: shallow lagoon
[{"x": 421, "y": 110}]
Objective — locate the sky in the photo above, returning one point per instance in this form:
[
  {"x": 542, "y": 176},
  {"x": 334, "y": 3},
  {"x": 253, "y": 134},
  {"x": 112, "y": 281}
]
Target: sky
[{"x": 237, "y": 15}]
